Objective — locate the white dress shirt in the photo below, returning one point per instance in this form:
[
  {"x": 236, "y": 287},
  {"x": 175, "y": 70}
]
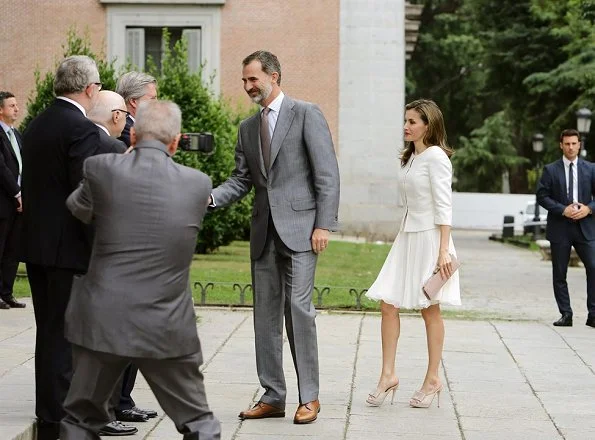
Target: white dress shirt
[
  {"x": 80, "y": 107},
  {"x": 273, "y": 115}
]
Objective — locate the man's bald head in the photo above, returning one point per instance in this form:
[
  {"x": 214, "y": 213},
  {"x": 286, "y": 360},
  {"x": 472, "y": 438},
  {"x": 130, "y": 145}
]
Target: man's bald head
[{"x": 110, "y": 111}]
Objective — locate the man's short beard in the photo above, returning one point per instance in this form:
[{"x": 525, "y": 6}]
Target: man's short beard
[{"x": 263, "y": 94}]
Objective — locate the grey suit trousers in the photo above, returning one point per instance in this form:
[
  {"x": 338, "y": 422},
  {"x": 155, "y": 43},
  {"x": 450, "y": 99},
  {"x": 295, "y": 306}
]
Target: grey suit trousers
[
  {"x": 283, "y": 281},
  {"x": 177, "y": 383}
]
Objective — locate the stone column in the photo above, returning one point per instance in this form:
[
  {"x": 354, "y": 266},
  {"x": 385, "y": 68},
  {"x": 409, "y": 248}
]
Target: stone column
[{"x": 371, "y": 101}]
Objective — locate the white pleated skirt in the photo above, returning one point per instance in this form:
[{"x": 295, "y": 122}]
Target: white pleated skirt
[{"x": 409, "y": 264}]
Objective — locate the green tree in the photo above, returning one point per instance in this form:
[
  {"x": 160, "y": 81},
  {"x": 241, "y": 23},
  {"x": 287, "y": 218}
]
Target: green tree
[
  {"x": 201, "y": 111},
  {"x": 486, "y": 155},
  {"x": 43, "y": 94},
  {"x": 531, "y": 59},
  {"x": 446, "y": 66},
  {"x": 571, "y": 84}
]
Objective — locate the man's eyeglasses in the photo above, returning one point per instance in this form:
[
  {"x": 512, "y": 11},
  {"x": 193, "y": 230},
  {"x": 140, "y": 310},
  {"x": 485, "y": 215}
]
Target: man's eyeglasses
[
  {"x": 99, "y": 85},
  {"x": 120, "y": 110}
]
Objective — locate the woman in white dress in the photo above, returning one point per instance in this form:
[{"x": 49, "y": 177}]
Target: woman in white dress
[{"x": 423, "y": 244}]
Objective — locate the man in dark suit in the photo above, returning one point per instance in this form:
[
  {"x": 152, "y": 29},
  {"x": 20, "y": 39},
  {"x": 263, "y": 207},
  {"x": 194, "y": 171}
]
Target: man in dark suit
[
  {"x": 56, "y": 246},
  {"x": 134, "y": 87},
  {"x": 286, "y": 152},
  {"x": 144, "y": 242},
  {"x": 11, "y": 167},
  {"x": 109, "y": 114},
  {"x": 567, "y": 190}
]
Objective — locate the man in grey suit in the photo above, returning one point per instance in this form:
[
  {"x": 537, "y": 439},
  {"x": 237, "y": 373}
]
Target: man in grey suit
[
  {"x": 286, "y": 152},
  {"x": 146, "y": 210}
]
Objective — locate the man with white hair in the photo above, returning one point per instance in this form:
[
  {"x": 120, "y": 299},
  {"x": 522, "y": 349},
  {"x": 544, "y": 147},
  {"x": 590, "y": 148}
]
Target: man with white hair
[
  {"x": 109, "y": 114},
  {"x": 55, "y": 245},
  {"x": 143, "y": 247}
]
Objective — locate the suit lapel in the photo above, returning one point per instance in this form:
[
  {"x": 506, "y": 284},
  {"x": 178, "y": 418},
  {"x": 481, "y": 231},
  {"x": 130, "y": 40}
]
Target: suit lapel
[
  {"x": 284, "y": 121},
  {"x": 584, "y": 178},
  {"x": 562, "y": 177},
  {"x": 8, "y": 144}
]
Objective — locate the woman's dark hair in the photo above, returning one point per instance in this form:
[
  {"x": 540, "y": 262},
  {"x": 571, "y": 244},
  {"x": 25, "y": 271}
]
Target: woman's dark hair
[{"x": 430, "y": 114}]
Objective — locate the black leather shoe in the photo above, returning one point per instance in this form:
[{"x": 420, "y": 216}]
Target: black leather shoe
[
  {"x": 130, "y": 415},
  {"x": 591, "y": 321},
  {"x": 148, "y": 412},
  {"x": 3, "y": 305},
  {"x": 116, "y": 428},
  {"x": 564, "y": 321},
  {"x": 13, "y": 303}
]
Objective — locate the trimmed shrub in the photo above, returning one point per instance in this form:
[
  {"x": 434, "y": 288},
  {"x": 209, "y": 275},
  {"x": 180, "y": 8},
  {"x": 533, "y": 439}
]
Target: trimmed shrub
[{"x": 201, "y": 112}]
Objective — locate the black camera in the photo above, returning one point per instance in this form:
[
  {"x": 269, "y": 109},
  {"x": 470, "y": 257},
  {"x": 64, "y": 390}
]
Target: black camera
[{"x": 199, "y": 142}]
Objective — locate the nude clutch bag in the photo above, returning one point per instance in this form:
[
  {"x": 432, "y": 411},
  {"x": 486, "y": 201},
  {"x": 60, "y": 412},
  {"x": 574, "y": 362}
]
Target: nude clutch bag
[{"x": 432, "y": 287}]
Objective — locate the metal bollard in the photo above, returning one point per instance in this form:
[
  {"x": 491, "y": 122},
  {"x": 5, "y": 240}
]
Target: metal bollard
[{"x": 508, "y": 226}]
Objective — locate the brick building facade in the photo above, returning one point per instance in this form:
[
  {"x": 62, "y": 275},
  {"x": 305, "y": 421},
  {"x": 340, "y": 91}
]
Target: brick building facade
[{"x": 346, "y": 55}]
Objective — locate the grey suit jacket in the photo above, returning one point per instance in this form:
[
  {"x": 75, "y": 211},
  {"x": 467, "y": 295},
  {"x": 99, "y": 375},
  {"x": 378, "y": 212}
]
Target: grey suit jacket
[
  {"x": 300, "y": 191},
  {"x": 135, "y": 299}
]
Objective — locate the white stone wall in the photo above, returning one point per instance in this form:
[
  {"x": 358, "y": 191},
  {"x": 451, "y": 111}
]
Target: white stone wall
[
  {"x": 487, "y": 211},
  {"x": 371, "y": 101},
  {"x": 469, "y": 211}
]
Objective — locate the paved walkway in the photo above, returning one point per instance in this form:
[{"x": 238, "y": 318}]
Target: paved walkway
[{"x": 514, "y": 378}]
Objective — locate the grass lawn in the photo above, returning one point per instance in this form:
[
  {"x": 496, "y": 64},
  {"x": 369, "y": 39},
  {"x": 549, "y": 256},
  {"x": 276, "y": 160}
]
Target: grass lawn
[{"x": 343, "y": 266}]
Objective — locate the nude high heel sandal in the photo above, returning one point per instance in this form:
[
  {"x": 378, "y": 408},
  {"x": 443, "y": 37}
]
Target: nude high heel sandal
[
  {"x": 376, "y": 398},
  {"x": 422, "y": 400}
]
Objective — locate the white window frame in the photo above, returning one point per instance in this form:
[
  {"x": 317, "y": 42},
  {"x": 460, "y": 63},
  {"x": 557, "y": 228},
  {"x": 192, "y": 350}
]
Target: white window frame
[{"x": 208, "y": 18}]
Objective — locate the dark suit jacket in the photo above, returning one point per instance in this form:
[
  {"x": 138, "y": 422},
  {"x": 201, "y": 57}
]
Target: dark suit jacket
[
  {"x": 55, "y": 146},
  {"x": 552, "y": 195},
  {"x": 125, "y": 136},
  {"x": 108, "y": 144},
  {"x": 9, "y": 173}
]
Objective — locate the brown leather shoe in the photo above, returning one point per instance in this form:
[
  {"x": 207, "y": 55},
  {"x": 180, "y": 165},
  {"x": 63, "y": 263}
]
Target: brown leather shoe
[
  {"x": 307, "y": 412},
  {"x": 262, "y": 411}
]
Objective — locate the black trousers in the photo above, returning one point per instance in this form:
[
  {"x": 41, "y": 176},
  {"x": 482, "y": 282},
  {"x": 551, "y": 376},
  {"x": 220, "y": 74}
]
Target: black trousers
[
  {"x": 50, "y": 290},
  {"x": 123, "y": 398},
  {"x": 560, "y": 259},
  {"x": 10, "y": 232}
]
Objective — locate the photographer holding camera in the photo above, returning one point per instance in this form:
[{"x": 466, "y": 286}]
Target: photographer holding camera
[{"x": 142, "y": 250}]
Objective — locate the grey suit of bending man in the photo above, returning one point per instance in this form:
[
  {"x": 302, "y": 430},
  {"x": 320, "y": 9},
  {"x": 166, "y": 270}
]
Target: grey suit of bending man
[
  {"x": 295, "y": 207},
  {"x": 134, "y": 303}
]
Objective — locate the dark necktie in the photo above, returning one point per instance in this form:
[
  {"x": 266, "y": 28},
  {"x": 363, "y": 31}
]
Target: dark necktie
[
  {"x": 265, "y": 137},
  {"x": 571, "y": 183}
]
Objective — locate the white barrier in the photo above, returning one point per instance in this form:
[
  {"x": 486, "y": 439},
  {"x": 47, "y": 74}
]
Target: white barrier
[{"x": 487, "y": 211}]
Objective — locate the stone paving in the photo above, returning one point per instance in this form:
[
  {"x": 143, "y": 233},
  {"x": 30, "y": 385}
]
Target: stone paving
[{"x": 508, "y": 373}]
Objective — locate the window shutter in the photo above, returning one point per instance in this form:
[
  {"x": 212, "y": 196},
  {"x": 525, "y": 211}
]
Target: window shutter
[
  {"x": 194, "y": 53},
  {"x": 135, "y": 47}
]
